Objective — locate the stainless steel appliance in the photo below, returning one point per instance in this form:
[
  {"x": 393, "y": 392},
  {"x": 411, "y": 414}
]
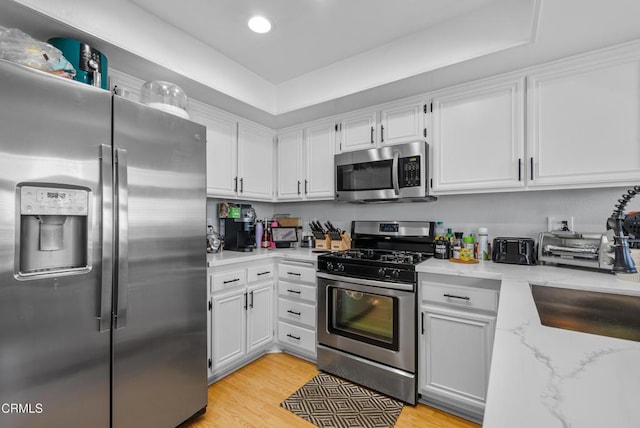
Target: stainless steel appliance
[
  {"x": 102, "y": 273},
  {"x": 590, "y": 250},
  {"x": 393, "y": 173},
  {"x": 518, "y": 251},
  {"x": 367, "y": 306}
]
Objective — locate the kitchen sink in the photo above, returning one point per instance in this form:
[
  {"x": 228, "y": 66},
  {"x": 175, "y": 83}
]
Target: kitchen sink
[{"x": 605, "y": 314}]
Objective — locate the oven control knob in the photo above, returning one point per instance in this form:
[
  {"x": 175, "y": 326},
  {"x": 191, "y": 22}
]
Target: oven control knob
[
  {"x": 382, "y": 272},
  {"x": 329, "y": 266},
  {"x": 340, "y": 267},
  {"x": 395, "y": 274}
]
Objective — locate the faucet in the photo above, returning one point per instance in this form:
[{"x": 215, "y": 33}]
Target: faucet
[{"x": 623, "y": 260}]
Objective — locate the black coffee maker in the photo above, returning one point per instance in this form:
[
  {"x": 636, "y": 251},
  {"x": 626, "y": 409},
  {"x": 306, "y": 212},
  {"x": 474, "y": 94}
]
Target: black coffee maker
[{"x": 239, "y": 232}]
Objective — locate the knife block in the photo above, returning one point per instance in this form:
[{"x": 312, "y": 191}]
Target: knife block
[
  {"x": 324, "y": 244},
  {"x": 341, "y": 244}
]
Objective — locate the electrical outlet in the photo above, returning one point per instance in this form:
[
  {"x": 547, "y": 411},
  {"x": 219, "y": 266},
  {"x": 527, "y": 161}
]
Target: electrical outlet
[{"x": 554, "y": 222}]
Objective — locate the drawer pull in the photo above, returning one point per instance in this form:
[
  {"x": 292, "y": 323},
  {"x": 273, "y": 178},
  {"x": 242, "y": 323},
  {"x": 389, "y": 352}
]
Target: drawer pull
[
  {"x": 453, "y": 296},
  {"x": 294, "y": 312},
  {"x": 264, "y": 273},
  {"x": 231, "y": 280},
  {"x": 294, "y": 273},
  {"x": 294, "y": 291},
  {"x": 293, "y": 337}
]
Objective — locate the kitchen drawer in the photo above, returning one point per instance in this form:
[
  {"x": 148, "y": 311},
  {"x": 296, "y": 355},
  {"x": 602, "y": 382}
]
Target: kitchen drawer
[
  {"x": 297, "y": 291},
  {"x": 297, "y": 273},
  {"x": 226, "y": 280},
  {"x": 260, "y": 273},
  {"x": 302, "y": 313},
  {"x": 298, "y": 337},
  {"x": 460, "y": 296}
]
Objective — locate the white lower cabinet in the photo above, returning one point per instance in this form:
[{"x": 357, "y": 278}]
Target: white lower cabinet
[
  {"x": 241, "y": 315},
  {"x": 297, "y": 307},
  {"x": 458, "y": 317}
]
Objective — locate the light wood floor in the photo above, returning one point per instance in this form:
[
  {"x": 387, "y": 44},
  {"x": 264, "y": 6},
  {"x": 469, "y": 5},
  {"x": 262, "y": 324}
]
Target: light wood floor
[{"x": 251, "y": 397}]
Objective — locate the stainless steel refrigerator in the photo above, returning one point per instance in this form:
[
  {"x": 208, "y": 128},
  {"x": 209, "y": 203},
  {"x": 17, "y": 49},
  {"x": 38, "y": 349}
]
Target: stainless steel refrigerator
[{"x": 102, "y": 258}]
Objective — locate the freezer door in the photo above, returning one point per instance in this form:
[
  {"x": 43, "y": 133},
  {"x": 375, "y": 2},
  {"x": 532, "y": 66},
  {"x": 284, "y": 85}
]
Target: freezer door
[
  {"x": 54, "y": 352},
  {"x": 159, "y": 352}
]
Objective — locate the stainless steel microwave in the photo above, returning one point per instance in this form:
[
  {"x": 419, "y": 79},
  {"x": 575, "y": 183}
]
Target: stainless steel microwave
[{"x": 393, "y": 173}]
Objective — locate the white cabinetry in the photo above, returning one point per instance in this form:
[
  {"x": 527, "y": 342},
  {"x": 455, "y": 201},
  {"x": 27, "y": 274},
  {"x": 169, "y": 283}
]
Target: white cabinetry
[
  {"x": 305, "y": 162},
  {"x": 358, "y": 131},
  {"x": 255, "y": 162},
  {"x": 402, "y": 122},
  {"x": 478, "y": 137},
  {"x": 240, "y": 157},
  {"x": 297, "y": 307},
  {"x": 241, "y": 314},
  {"x": 458, "y": 318},
  {"x": 290, "y": 165},
  {"x": 393, "y": 123},
  {"x": 583, "y": 122}
]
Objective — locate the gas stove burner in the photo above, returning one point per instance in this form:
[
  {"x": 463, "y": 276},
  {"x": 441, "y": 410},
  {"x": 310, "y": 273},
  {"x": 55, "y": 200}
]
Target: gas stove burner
[{"x": 405, "y": 257}]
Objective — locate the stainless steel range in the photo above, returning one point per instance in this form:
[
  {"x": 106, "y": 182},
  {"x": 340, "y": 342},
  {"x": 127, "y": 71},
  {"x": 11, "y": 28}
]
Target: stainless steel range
[{"x": 367, "y": 306}]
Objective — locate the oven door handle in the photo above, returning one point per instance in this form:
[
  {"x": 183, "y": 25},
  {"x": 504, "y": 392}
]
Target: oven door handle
[
  {"x": 361, "y": 281},
  {"x": 396, "y": 172}
]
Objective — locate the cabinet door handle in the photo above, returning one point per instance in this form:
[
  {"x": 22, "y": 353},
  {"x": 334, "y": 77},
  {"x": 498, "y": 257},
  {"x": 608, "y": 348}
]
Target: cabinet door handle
[
  {"x": 251, "y": 300},
  {"x": 235, "y": 187},
  {"x": 231, "y": 280},
  {"x": 294, "y": 291},
  {"x": 294, "y": 273},
  {"x": 422, "y": 322},
  {"x": 306, "y": 184},
  {"x": 298, "y": 187},
  {"x": 372, "y": 135},
  {"x": 245, "y": 301},
  {"x": 519, "y": 169},
  {"x": 531, "y": 169},
  {"x": 264, "y": 273},
  {"x": 241, "y": 185},
  {"x": 453, "y": 296},
  {"x": 382, "y": 133},
  {"x": 293, "y": 337},
  {"x": 294, "y": 312}
]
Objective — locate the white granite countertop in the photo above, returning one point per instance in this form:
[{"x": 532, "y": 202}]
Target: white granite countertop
[
  {"x": 549, "y": 377},
  {"x": 229, "y": 257}
]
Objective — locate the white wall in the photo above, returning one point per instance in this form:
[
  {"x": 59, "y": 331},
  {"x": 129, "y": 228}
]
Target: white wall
[{"x": 521, "y": 214}]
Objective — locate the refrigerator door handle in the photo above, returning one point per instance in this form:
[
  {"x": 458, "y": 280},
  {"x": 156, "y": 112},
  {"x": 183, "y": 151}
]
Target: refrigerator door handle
[
  {"x": 106, "y": 176},
  {"x": 122, "y": 267}
]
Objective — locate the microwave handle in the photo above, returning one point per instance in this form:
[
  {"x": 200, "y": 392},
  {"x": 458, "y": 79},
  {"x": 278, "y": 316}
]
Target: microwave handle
[{"x": 394, "y": 177}]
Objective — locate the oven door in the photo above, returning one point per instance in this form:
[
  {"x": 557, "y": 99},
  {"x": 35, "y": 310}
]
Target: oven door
[{"x": 368, "y": 319}]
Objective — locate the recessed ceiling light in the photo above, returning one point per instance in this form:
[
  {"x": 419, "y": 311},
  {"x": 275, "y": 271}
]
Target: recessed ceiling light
[{"x": 260, "y": 24}]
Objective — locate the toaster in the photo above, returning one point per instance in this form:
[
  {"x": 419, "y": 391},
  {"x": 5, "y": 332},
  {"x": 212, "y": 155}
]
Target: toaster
[
  {"x": 589, "y": 250},
  {"x": 518, "y": 251}
]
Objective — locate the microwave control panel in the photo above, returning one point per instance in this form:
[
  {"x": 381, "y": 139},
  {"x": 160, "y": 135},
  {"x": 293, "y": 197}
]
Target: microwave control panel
[{"x": 409, "y": 170}]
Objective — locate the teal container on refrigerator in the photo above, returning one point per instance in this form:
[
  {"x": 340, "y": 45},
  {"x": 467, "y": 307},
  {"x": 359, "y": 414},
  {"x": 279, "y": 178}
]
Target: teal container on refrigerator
[{"x": 90, "y": 64}]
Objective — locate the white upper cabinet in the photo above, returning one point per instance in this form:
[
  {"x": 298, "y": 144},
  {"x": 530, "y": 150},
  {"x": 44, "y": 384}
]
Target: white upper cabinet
[
  {"x": 255, "y": 162},
  {"x": 358, "y": 131},
  {"x": 222, "y": 152},
  {"x": 478, "y": 137},
  {"x": 402, "y": 123},
  {"x": 583, "y": 122},
  {"x": 393, "y": 123},
  {"x": 290, "y": 165},
  {"x": 319, "y": 141},
  {"x": 305, "y": 162}
]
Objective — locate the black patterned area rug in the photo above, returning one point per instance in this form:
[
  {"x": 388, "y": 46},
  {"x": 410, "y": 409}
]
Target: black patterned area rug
[{"x": 330, "y": 402}]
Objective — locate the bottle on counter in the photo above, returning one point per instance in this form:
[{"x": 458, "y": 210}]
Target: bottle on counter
[
  {"x": 466, "y": 252},
  {"x": 457, "y": 245},
  {"x": 439, "y": 231},
  {"x": 483, "y": 244},
  {"x": 259, "y": 230},
  {"x": 265, "y": 236}
]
